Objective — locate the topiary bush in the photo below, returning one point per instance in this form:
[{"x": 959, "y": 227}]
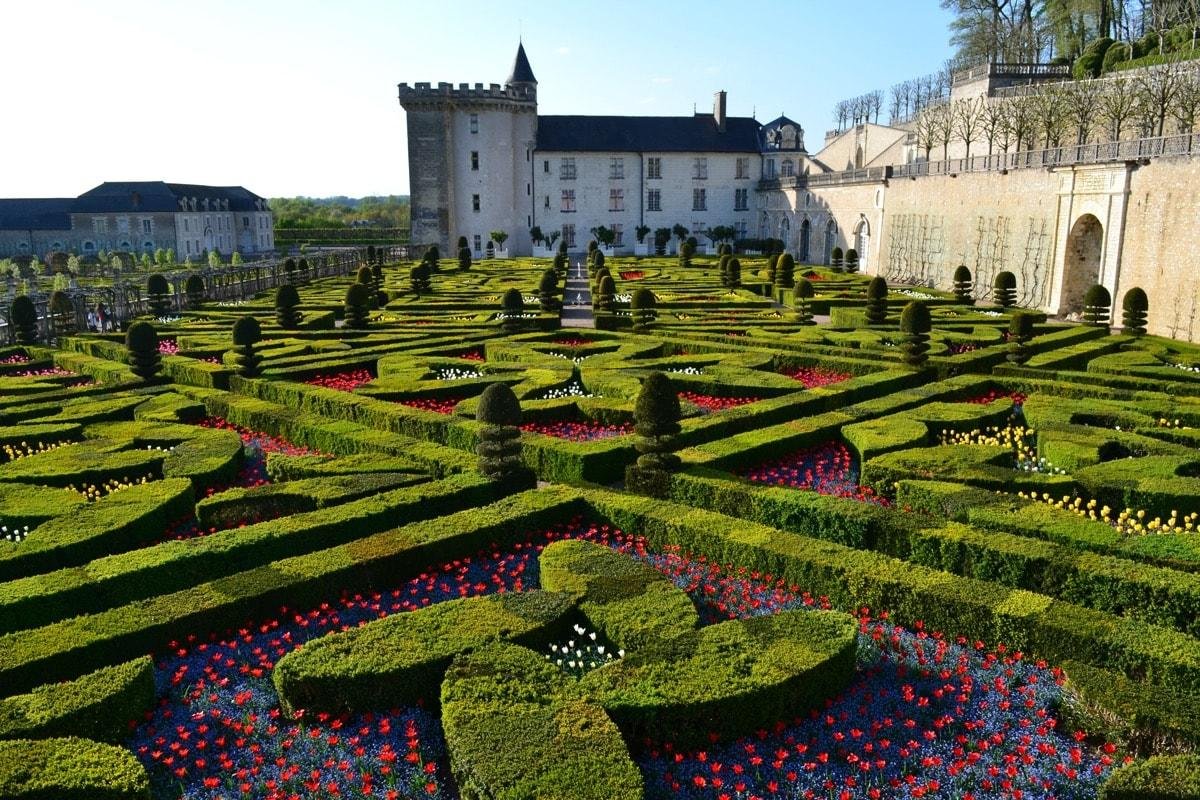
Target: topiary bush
[
  {"x": 785, "y": 271},
  {"x": 835, "y": 259},
  {"x": 686, "y": 251},
  {"x": 772, "y": 267},
  {"x": 432, "y": 257},
  {"x": 1089, "y": 64},
  {"x": 377, "y": 284},
  {"x": 598, "y": 259},
  {"x": 1135, "y": 308},
  {"x": 735, "y": 273},
  {"x": 70, "y": 769},
  {"x": 23, "y": 314},
  {"x": 159, "y": 293},
  {"x": 1004, "y": 289},
  {"x": 246, "y": 334},
  {"x": 462, "y": 242},
  {"x": 560, "y": 264},
  {"x": 512, "y": 313},
  {"x": 723, "y": 267},
  {"x": 289, "y": 269},
  {"x": 419, "y": 278},
  {"x": 193, "y": 289},
  {"x": 802, "y": 295},
  {"x": 656, "y": 416},
  {"x": 1156, "y": 778},
  {"x": 606, "y": 297},
  {"x": 643, "y": 308},
  {"x": 915, "y": 324},
  {"x": 464, "y": 258},
  {"x": 499, "y": 449},
  {"x": 358, "y": 306},
  {"x": 963, "y": 285},
  {"x": 141, "y": 345},
  {"x": 851, "y": 260},
  {"x": 62, "y": 313},
  {"x": 548, "y": 291},
  {"x": 1020, "y": 331},
  {"x": 562, "y": 248},
  {"x": 877, "y": 292},
  {"x": 286, "y": 301},
  {"x": 1097, "y": 306}
]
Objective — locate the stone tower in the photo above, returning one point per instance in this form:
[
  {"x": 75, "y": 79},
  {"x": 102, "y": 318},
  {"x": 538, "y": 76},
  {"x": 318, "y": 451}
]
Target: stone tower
[{"x": 470, "y": 155}]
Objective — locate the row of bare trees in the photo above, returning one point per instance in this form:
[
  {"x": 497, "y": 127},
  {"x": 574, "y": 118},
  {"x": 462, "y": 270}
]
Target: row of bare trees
[
  {"x": 1150, "y": 102},
  {"x": 858, "y": 110},
  {"x": 906, "y": 99}
]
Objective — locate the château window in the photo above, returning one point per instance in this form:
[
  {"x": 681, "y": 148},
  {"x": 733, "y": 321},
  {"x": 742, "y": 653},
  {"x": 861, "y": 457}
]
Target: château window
[
  {"x": 568, "y": 235},
  {"x": 145, "y": 226},
  {"x": 654, "y": 168},
  {"x": 618, "y": 234},
  {"x": 616, "y": 169},
  {"x": 475, "y": 125},
  {"x": 700, "y": 169},
  {"x": 788, "y": 169},
  {"x": 474, "y": 202},
  {"x": 568, "y": 200},
  {"x": 770, "y": 168},
  {"x": 616, "y": 199},
  {"x": 654, "y": 200},
  {"x": 566, "y": 170},
  {"x": 699, "y": 200},
  {"x": 546, "y": 166},
  {"x": 475, "y": 160},
  {"x": 741, "y": 199},
  {"x": 478, "y": 242},
  {"x": 743, "y": 168}
]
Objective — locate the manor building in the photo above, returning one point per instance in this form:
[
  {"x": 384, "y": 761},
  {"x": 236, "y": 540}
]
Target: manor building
[{"x": 140, "y": 217}]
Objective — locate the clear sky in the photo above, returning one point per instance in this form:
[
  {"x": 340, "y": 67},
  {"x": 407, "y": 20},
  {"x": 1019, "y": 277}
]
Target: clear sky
[{"x": 299, "y": 98}]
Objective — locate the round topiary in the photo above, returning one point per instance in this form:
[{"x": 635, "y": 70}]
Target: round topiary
[
  {"x": 464, "y": 258},
  {"x": 772, "y": 267},
  {"x": 358, "y": 306},
  {"x": 915, "y": 324},
  {"x": 303, "y": 267},
  {"x": 835, "y": 259},
  {"x": 432, "y": 256},
  {"x": 499, "y": 447},
  {"x": 141, "y": 345},
  {"x": 606, "y": 298},
  {"x": 685, "y": 254},
  {"x": 851, "y": 260},
  {"x": 1135, "y": 307},
  {"x": 23, "y": 314},
  {"x": 877, "y": 292},
  {"x": 734, "y": 273},
  {"x": 193, "y": 288},
  {"x": 1097, "y": 306},
  {"x": 1020, "y": 331},
  {"x": 246, "y": 334},
  {"x": 364, "y": 276},
  {"x": 600, "y": 275},
  {"x": 801, "y": 296},
  {"x": 159, "y": 292},
  {"x": 462, "y": 243},
  {"x": 785, "y": 271},
  {"x": 286, "y": 300},
  {"x": 548, "y": 291},
  {"x": 963, "y": 285},
  {"x": 289, "y": 268},
  {"x": 1004, "y": 289},
  {"x": 513, "y": 310},
  {"x": 643, "y": 308}
]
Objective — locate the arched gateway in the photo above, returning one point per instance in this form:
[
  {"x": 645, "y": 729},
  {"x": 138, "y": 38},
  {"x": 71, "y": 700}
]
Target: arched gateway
[{"x": 1081, "y": 263}]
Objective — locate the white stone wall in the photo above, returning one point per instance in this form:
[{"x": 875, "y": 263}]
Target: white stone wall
[{"x": 504, "y": 141}]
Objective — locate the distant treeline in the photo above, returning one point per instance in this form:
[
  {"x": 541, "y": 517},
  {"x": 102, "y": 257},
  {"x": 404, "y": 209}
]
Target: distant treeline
[{"x": 340, "y": 212}]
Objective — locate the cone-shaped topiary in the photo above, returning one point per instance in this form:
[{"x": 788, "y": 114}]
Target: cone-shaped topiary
[
  {"x": 643, "y": 308},
  {"x": 600, "y": 275},
  {"x": 62, "y": 313},
  {"x": 302, "y": 268},
  {"x": 364, "y": 276},
  {"x": 377, "y": 283},
  {"x": 432, "y": 257},
  {"x": 246, "y": 334},
  {"x": 801, "y": 296},
  {"x": 289, "y": 268},
  {"x": 723, "y": 266},
  {"x": 193, "y": 288},
  {"x": 358, "y": 306},
  {"x": 725, "y": 249},
  {"x": 835, "y": 259},
  {"x": 462, "y": 242},
  {"x": 734, "y": 272},
  {"x": 1134, "y": 311},
  {"x": 560, "y": 264},
  {"x": 598, "y": 259},
  {"x": 499, "y": 447},
  {"x": 419, "y": 278},
  {"x": 286, "y": 300},
  {"x": 562, "y": 248},
  {"x": 686, "y": 251},
  {"x": 877, "y": 292},
  {"x": 772, "y": 267},
  {"x": 656, "y": 417},
  {"x": 24, "y": 319},
  {"x": 548, "y": 291},
  {"x": 963, "y": 285},
  {"x": 851, "y": 260},
  {"x": 1004, "y": 289},
  {"x": 159, "y": 293},
  {"x": 464, "y": 258},
  {"x": 1097, "y": 306},
  {"x": 141, "y": 346},
  {"x": 1020, "y": 331},
  {"x": 606, "y": 298},
  {"x": 785, "y": 271},
  {"x": 513, "y": 310},
  {"x": 915, "y": 324}
]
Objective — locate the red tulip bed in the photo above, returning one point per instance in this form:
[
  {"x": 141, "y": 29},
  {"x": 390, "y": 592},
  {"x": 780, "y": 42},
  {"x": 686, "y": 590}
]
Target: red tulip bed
[
  {"x": 828, "y": 468},
  {"x": 471, "y": 355},
  {"x": 926, "y": 716},
  {"x": 709, "y": 403},
  {"x": 442, "y": 405},
  {"x": 814, "y": 377},
  {"x": 345, "y": 381},
  {"x": 632, "y": 275},
  {"x": 962, "y": 347},
  {"x": 569, "y": 342},
  {"x": 587, "y": 431},
  {"x": 993, "y": 395}
]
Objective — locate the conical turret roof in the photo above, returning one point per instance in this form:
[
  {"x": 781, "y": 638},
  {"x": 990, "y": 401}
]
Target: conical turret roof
[{"x": 521, "y": 71}]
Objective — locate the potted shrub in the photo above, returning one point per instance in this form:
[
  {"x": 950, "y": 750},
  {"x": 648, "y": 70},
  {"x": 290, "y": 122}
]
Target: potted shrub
[
  {"x": 499, "y": 237},
  {"x": 642, "y": 248}
]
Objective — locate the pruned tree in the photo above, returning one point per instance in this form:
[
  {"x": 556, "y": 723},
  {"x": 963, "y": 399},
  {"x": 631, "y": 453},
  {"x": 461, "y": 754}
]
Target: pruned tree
[
  {"x": 993, "y": 122},
  {"x": 1049, "y": 109},
  {"x": 656, "y": 416},
  {"x": 246, "y": 334},
  {"x": 1157, "y": 88},
  {"x": 499, "y": 448},
  {"x": 1186, "y": 109},
  {"x": 967, "y": 119},
  {"x": 286, "y": 312},
  {"x": 141, "y": 347},
  {"x": 1080, "y": 107},
  {"x": 1135, "y": 307},
  {"x": 1118, "y": 104}
]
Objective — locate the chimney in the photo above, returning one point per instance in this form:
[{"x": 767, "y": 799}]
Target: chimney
[{"x": 719, "y": 110}]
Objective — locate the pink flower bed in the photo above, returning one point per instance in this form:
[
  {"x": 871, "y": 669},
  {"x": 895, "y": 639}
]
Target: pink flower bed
[
  {"x": 16, "y": 358},
  {"x": 588, "y": 431},
  {"x": 813, "y": 377},
  {"x": 710, "y": 402},
  {"x": 168, "y": 347},
  {"x": 49, "y": 372},
  {"x": 569, "y": 342},
  {"x": 992, "y": 395}
]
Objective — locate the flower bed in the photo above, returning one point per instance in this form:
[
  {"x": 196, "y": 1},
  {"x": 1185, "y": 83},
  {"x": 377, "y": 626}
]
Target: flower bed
[
  {"x": 710, "y": 403},
  {"x": 813, "y": 377},
  {"x": 16, "y": 358},
  {"x": 49, "y": 372},
  {"x": 826, "y": 469},
  {"x": 168, "y": 347},
  {"x": 440, "y": 405},
  {"x": 570, "y": 342},
  {"x": 632, "y": 275},
  {"x": 588, "y": 431},
  {"x": 993, "y": 395},
  {"x": 344, "y": 381},
  {"x": 471, "y": 355}
]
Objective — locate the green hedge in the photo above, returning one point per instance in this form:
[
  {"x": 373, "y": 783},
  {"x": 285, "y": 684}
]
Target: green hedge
[
  {"x": 284, "y": 467},
  {"x": 399, "y": 661},
  {"x": 70, "y": 769},
  {"x": 517, "y": 727},
  {"x": 238, "y": 505},
  {"x": 1111, "y": 706},
  {"x": 82, "y": 463},
  {"x": 99, "y": 705},
  {"x": 1158, "y": 778}
]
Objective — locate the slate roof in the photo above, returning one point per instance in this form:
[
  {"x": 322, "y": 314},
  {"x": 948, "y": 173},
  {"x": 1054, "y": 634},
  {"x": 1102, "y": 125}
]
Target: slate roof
[
  {"x": 40, "y": 214},
  {"x": 695, "y": 134},
  {"x": 151, "y": 196},
  {"x": 521, "y": 71}
]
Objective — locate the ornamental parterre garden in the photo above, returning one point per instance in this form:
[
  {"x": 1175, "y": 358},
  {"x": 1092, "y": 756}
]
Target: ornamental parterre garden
[{"x": 399, "y": 535}]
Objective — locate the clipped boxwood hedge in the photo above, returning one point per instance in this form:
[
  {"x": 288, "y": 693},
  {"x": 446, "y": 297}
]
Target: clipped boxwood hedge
[
  {"x": 1157, "y": 778},
  {"x": 70, "y": 769},
  {"x": 98, "y": 705},
  {"x": 238, "y": 505}
]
